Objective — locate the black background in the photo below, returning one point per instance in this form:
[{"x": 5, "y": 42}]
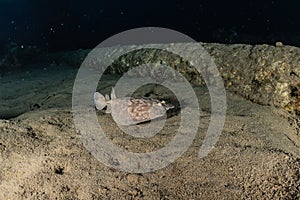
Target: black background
[{"x": 65, "y": 24}]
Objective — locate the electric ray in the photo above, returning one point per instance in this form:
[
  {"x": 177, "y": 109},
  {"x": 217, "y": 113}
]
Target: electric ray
[{"x": 129, "y": 110}]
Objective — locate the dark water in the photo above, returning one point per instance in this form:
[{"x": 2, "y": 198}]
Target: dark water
[{"x": 65, "y": 24}]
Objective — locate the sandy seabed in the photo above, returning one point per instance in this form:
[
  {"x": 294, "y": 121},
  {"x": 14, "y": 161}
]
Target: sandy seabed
[{"x": 42, "y": 155}]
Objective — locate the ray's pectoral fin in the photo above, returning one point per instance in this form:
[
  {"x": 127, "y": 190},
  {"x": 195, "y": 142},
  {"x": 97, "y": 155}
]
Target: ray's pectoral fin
[{"x": 99, "y": 101}]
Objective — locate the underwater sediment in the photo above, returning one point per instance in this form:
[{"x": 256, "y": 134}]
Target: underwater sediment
[{"x": 256, "y": 156}]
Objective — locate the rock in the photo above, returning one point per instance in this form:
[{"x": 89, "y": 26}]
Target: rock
[
  {"x": 279, "y": 44},
  {"x": 16, "y": 56},
  {"x": 263, "y": 74}
]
